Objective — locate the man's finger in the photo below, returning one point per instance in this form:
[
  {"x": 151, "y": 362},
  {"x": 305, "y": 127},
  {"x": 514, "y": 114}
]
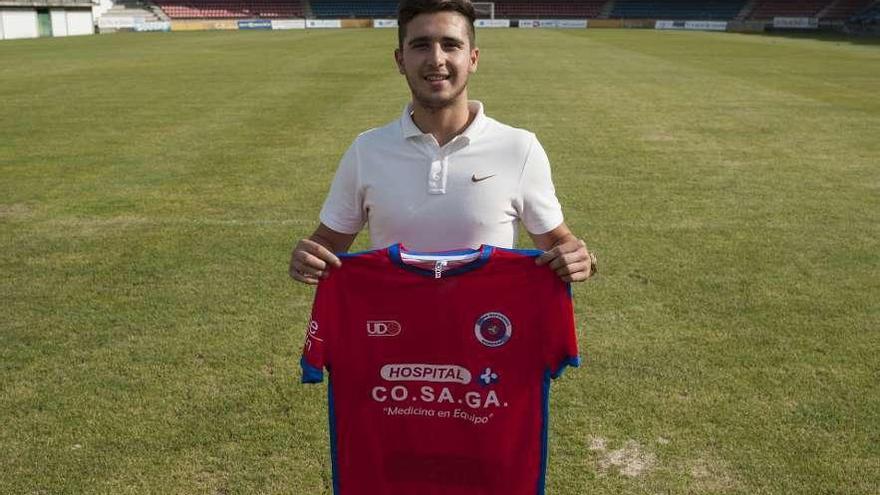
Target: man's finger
[
  {"x": 547, "y": 256},
  {"x": 572, "y": 268},
  {"x": 320, "y": 252},
  {"x": 304, "y": 262},
  {"x": 302, "y": 277},
  {"x": 568, "y": 259}
]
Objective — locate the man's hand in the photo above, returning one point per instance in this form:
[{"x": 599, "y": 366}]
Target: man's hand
[
  {"x": 312, "y": 258},
  {"x": 565, "y": 254},
  {"x": 570, "y": 260}
]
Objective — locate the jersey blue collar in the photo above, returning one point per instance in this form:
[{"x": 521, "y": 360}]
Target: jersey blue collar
[{"x": 485, "y": 252}]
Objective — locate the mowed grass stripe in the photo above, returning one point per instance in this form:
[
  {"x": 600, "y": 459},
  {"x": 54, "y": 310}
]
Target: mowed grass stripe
[{"x": 150, "y": 336}]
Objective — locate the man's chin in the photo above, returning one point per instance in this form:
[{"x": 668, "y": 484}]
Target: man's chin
[{"x": 436, "y": 102}]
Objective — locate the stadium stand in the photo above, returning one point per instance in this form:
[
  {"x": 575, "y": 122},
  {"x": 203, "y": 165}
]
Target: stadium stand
[
  {"x": 135, "y": 9},
  {"x": 335, "y": 9},
  {"x": 231, "y": 9},
  {"x": 768, "y": 9},
  {"x": 854, "y": 11},
  {"x": 516, "y": 9},
  {"x": 869, "y": 17},
  {"x": 844, "y": 9},
  {"x": 677, "y": 9}
]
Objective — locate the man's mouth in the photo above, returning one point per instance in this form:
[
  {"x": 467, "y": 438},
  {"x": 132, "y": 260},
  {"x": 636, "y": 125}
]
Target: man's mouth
[{"x": 437, "y": 77}]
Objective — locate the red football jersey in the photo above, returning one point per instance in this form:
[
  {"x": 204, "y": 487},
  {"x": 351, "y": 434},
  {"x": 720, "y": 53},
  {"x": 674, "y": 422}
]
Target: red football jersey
[{"x": 440, "y": 367}]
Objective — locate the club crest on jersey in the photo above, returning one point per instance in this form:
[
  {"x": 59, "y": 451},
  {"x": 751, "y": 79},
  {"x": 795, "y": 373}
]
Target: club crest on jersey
[{"x": 493, "y": 329}]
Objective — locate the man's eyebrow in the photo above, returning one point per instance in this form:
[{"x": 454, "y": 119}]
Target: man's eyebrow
[
  {"x": 450, "y": 39},
  {"x": 427, "y": 39},
  {"x": 420, "y": 39}
]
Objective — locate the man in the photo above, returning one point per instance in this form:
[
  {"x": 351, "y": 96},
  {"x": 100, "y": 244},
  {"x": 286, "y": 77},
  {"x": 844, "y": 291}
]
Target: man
[{"x": 445, "y": 175}]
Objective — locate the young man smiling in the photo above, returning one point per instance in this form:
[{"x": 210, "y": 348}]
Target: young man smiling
[{"x": 445, "y": 175}]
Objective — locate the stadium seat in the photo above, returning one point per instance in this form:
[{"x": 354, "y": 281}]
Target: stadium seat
[
  {"x": 230, "y": 9},
  {"x": 677, "y": 9},
  {"x": 768, "y": 9},
  {"x": 844, "y": 9},
  {"x": 336, "y": 9},
  {"x": 522, "y": 9}
]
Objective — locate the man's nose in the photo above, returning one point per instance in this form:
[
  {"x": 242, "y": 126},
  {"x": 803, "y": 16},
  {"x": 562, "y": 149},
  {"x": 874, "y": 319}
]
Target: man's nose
[{"x": 437, "y": 55}]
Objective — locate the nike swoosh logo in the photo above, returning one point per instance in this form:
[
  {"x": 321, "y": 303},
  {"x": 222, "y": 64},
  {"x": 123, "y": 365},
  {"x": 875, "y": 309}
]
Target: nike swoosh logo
[{"x": 474, "y": 178}]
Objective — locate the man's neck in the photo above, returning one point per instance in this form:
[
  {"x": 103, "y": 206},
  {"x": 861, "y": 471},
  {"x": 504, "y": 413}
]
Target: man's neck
[{"x": 443, "y": 123}]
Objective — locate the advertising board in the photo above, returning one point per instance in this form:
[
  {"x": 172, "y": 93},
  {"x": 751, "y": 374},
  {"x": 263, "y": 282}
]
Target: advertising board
[
  {"x": 492, "y": 23},
  {"x": 384, "y": 23},
  {"x": 254, "y": 24},
  {"x": 152, "y": 26},
  {"x": 706, "y": 25},
  {"x": 692, "y": 25},
  {"x": 553, "y": 23},
  {"x": 323, "y": 23},
  {"x": 203, "y": 25},
  {"x": 796, "y": 22},
  {"x": 288, "y": 24}
]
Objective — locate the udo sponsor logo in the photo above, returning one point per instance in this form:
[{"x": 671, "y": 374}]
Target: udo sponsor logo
[{"x": 383, "y": 328}]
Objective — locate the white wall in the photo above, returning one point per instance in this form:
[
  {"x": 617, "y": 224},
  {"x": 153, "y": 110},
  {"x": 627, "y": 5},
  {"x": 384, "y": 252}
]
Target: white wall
[
  {"x": 102, "y": 7},
  {"x": 80, "y": 22},
  {"x": 59, "y": 22},
  {"x": 19, "y": 24}
]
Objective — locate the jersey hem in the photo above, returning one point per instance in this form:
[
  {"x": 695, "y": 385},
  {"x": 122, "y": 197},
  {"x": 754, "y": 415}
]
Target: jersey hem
[
  {"x": 310, "y": 374},
  {"x": 573, "y": 361}
]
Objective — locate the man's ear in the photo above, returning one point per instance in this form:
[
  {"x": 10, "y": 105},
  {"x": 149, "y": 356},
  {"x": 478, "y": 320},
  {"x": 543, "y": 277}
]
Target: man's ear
[
  {"x": 398, "y": 59},
  {"x": 475, "y": 59}
]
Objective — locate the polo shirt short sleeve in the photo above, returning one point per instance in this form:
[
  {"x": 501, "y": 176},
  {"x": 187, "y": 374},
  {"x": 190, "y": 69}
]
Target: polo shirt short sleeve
[
  {"x": 538, "y": 207},
  {"x": 474, "y": 190},
  {"x": 343, "y": 208}
]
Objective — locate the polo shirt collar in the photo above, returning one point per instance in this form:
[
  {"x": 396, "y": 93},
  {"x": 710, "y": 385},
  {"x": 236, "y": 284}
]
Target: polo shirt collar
[{"x": 410, "y": 129}]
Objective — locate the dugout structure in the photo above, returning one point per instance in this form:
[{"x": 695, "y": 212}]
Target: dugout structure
[{"x": 43, "y": 18}]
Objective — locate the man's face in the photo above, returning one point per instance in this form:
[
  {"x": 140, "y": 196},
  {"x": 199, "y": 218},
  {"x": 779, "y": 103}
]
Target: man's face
[{"x": 437, "y": 58}]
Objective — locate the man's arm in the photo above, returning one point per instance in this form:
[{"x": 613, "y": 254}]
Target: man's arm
[
  {"x": 565, "y": 254},
  {"x": 311, "y": 258}
]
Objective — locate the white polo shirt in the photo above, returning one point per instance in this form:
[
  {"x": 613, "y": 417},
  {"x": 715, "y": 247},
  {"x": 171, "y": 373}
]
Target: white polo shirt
[{"x": 471, "y": 191}]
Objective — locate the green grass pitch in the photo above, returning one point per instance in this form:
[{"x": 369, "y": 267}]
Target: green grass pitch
[{"x": 153, "y": 184}]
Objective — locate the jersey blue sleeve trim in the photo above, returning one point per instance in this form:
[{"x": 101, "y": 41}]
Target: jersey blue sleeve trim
[
  {"x": 524, "y": 252},
  {"x": 334, "y": 463},
  {"x": 573, "y": 361},
  {"x": 549, "y": 376},
  {"x": 310, "y": 374},
  {"x": 355, "y": 254},
  {"x": 545, "y": 419}
]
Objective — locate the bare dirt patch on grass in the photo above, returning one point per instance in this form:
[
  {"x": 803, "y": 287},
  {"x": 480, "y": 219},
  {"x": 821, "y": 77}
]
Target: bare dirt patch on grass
[
  {"x": 711, "y": 476},
  {"x": 15, "y": 212},
  {"x": 632, "y": 460}
]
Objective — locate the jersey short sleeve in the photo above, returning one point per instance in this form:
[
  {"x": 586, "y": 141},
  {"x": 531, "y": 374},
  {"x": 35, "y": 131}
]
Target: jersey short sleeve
[
  {"x": 319, "y": 338},
  {"x": 560, "y": 349},
  {"x": 540, "y": 210},
  {"x": 343, "y": 209}
]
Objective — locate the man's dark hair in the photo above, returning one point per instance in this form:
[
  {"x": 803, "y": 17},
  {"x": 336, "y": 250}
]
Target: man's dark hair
[{"x": 409, "y": 9}]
